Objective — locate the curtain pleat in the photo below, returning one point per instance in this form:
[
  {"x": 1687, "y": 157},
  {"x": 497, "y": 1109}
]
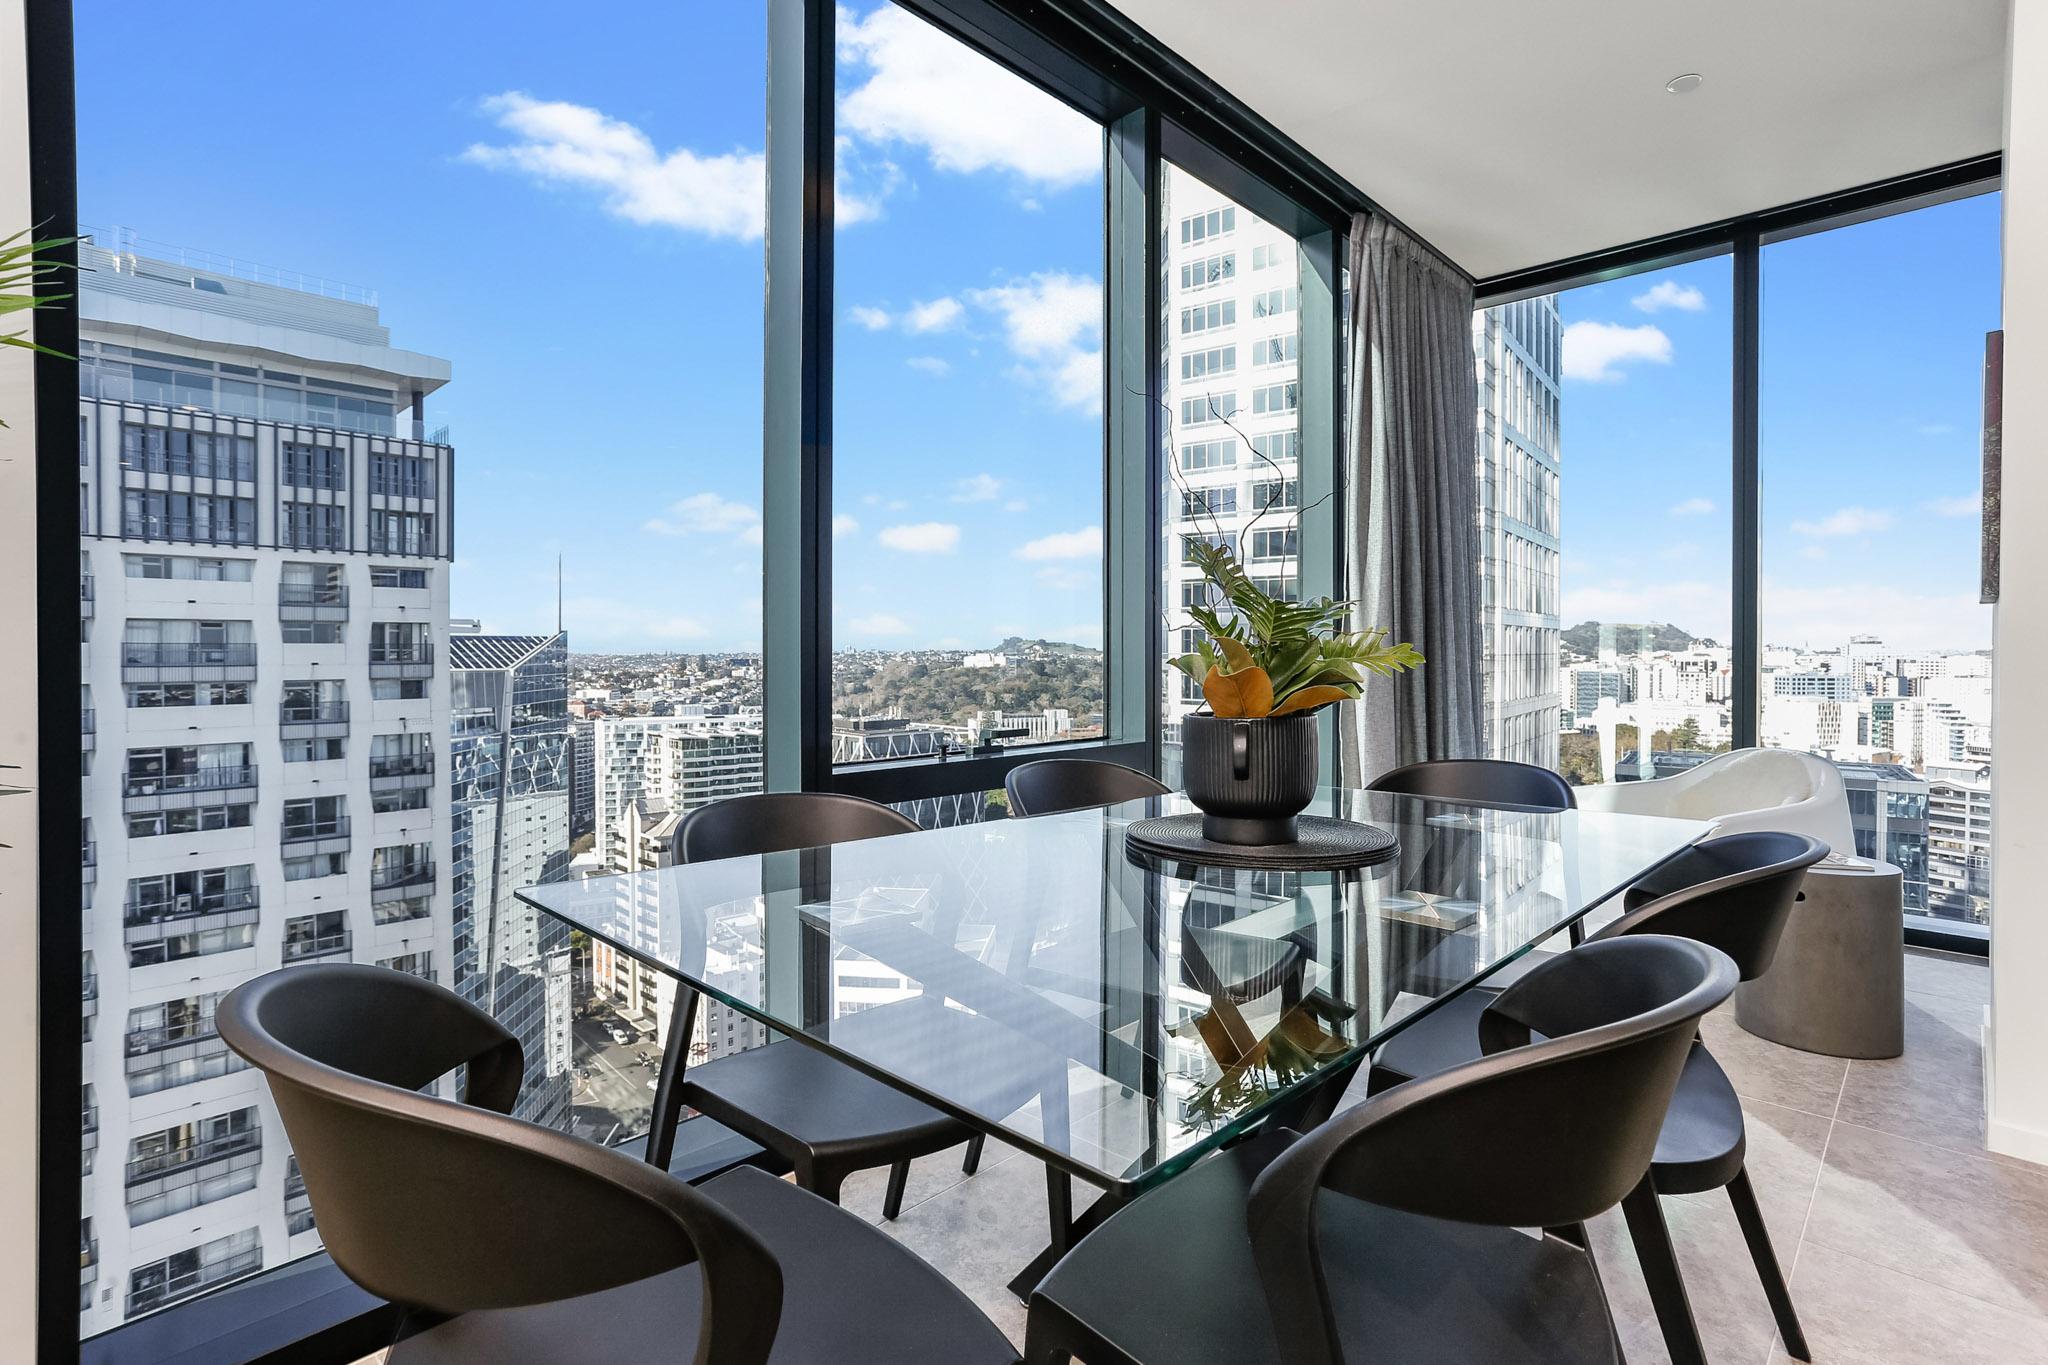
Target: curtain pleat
[{"x": 1411, "y": 485}]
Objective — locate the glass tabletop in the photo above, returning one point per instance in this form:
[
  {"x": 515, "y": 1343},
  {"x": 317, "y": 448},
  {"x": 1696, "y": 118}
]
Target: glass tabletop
[{"x": 1111, "y": 1015}]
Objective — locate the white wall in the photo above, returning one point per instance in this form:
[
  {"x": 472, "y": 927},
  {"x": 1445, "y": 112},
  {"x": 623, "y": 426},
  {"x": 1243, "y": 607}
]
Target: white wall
[
  {"x": 18, "y": 712},
  {"x": 2016, "y": 1058}
]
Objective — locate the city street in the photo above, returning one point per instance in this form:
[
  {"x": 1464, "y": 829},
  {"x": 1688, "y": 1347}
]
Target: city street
[{"x": 612, "y": 1092}]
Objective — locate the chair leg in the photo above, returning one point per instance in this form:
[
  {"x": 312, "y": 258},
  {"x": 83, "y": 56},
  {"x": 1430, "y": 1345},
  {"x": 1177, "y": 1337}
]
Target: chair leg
[
  {"x": 1039, "y": 1346},
  {"x": 1758, "y": 1236},
  {"x": 1647, "y": 1230},
  {"x": 892, "y": 1202},
  {"x": 973, "y": 1160}
]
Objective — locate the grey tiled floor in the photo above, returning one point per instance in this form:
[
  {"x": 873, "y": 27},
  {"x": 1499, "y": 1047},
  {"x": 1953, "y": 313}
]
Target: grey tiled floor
[{"x": 1906, "y": 1242}]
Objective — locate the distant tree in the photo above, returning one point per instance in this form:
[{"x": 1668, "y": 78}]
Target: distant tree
[
  {"x": 1686, "y": 738},
  {"x": 1660, "y": 742},
  {"x": 1626, "y": 737},
  {"x": 1578, "y": 759}
]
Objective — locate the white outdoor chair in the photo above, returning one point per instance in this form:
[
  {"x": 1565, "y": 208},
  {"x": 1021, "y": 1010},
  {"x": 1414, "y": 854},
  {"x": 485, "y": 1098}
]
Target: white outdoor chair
[{"x": 1779, "y": 789}]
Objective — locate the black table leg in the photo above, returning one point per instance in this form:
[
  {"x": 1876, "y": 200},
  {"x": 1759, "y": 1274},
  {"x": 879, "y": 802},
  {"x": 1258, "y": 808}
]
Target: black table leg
[
  {"x": 1060, "y": 1191},
  {"x": 668, "y": 1100}
]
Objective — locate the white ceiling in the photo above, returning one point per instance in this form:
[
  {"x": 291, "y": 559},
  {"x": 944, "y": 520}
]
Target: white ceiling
[{"x": 1512, "y": 133}]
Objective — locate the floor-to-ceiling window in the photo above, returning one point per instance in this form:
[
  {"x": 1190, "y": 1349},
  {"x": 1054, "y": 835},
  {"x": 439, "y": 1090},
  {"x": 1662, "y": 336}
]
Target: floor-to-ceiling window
[
  {"x": 1230, "y": 415},
  {"x": 420, "y": 514},
  {"x": 1876, "y": 651},
  {"x": 1603, "y": 440},
  {"x": 967, "y": 404}
]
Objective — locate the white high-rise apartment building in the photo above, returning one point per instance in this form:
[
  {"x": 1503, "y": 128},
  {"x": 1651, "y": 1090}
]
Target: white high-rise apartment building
[
  {"x": 1232, "y": 327},
  {"x": 1518, "y": 353},
  {"x": 264, "y": 581},
  {"x": 673, "y": 762}
]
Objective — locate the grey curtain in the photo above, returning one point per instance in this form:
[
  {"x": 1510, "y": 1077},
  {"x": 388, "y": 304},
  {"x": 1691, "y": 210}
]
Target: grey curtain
[{"x": 1412, "y": 500}]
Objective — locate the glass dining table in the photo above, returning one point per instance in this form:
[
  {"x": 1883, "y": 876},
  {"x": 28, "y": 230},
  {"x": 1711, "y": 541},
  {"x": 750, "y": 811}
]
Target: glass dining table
[{"x": 1115, "y": 1016}]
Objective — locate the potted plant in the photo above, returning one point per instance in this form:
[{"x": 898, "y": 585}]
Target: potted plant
[{"x": 1268, "y": 666}]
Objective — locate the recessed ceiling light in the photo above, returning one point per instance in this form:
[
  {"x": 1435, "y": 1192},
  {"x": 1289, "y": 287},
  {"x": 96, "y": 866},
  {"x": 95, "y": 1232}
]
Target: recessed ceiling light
[{"x": 1680, "y": 85}]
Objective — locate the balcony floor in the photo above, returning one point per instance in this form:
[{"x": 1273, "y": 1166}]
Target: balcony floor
[{"x": 1904, "y": 1239}]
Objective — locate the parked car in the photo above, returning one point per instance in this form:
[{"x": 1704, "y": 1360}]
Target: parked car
[{"x": 621, "y": 1034}]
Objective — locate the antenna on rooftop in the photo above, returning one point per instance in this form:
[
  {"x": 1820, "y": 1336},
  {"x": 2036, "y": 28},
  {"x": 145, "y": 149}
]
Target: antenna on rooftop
[{"x": 558, "y": 594}]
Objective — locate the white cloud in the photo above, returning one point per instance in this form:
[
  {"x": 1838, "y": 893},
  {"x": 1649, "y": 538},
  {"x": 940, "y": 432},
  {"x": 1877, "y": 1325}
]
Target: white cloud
[
  {"x": 926, "y": 537},
  {"x": 897, "y": 504},
  {"x": 1849, "y": 521},
  {"x": 707, "y": 514},
  {"x": 843, "y": 525},
  {"x": 1910, "y": 622},
  {"x": 880, "y": 623},
  {"x": 1693, "y": 507},
  {"x": 929, "y": 364},
  {"x": 723, "y": 195},
  {"x": 1670, "y": 294},
  {"x": 859, "y": 184},
  {"x": 1593, "y": 349},
  {"x": 1813, "y": 552},
  {"x": 874, "y": 319},
  {"x": 1053, "y": 323},
  {"x": 926, "y": 88},
  {"x": 1016, "y": 505},
  {"x": 977, "y": 488},
  {"x": 1060, "y": 578},
  {"x": 935, "y": 316},
  {"x": 1679, "y": 552},
  {"x": 1082, "y": 544},
  {"x": 1956, "y": 507}
]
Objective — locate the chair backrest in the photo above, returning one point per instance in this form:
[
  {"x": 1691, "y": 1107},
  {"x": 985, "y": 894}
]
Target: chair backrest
[
  {"x": 1536, "y": 1134},
  {"x": 774, "y": 822},
  {"x": 1486, "y": 781},
  {"x": 1051, "y": 785},
  {"x": 1735, "y": 892},
  {"x": 456, "y": 1208}
]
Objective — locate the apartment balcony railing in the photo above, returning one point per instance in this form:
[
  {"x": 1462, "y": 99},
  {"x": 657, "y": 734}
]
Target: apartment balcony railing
[
  {"x": 89, "y": 861},
  {"x": 177, "y": 1288},
  {"x": 397, "y": 774},
  {"x": 142, "y": 1042},
  {"x": 414, "y": 660},
  {"x": 179, "y": 663},
  {"x": 399, "y": 883},
  {"x": 88, "y": 729},
  {"x": 150, "y": 922},
  {"x": 333, "y": 480},
  {"x": 89, "y": 1128},
  {"x": 181, "y": 791},
  {"x": 323, "y": 836},
  {"x": 92, "y": 986},
  {"x": 187, "y": 530},
  {"x": 326, "y": 945},
  {"x": 159, "y": 1164},
  {"x": 85, "y": 596},
  {"x": 314, "y": 720},
  {"x": 307, "y": 602}
]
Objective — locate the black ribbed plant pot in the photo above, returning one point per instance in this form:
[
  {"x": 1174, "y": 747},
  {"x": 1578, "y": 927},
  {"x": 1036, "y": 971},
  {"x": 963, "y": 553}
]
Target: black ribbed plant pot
[{"x": 1250, "y": 778}]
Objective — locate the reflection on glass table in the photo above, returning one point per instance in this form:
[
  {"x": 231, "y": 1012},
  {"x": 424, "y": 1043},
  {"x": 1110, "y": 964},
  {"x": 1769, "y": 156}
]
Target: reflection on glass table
[{"x": 1113, "y": 1017}]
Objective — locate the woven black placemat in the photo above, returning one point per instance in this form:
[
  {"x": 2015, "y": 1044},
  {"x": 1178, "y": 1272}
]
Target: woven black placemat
[{"x": 1324, "y": 845}]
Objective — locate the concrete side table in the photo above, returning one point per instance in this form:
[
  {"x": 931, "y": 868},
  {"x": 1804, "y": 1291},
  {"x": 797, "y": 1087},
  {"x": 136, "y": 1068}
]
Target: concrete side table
[{"x": 1838, "y": 983}]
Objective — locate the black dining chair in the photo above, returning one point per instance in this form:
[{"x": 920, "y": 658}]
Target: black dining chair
[
  {"x": 1051, "y": 785},
  {"x": 547, "y": 1247},
  {"x": 1734, "y": 893},
  {"x": 1389, "y": 1233},
  {"x": 817, "y": 1116},
  {"x": 1487, "y": 781}
]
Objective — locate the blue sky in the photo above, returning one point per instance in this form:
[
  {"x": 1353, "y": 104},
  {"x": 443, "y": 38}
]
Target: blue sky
[
  {"x": 1872, "y": 352},
  {"x": 570, "y": 213}
]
